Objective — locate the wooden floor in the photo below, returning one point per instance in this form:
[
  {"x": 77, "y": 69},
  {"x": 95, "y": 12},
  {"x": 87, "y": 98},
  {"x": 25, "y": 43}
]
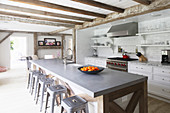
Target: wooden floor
[{"x": 14, "y": 97}]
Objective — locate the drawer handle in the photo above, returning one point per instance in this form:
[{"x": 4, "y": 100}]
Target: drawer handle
[
  {"x": 163, "y": 71},
  {"x": 136, "y": 67},
  {"x": 166, "y": 91},
  {"x": 163, "y": 79},
  {"x": 141, "y": 68}
]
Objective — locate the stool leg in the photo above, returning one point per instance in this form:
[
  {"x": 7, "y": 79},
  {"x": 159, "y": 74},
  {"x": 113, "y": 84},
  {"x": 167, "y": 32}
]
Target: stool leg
[
  {"x": 38, "y": 93},
  {"x": 28, "y": 80},
  {"x": 35, "y": 91},
  {"x": 31, "y": 80},
  {"x": 46, "y": 105},
  {"x": 61, "y": 97},
  {"x": 53, "y": 97},
  {"x": 62, "y": 109},
  {"x": 86, "y": 109},
  {"x": 33, "y": 85},
  {"x": 42, "y": 96}
]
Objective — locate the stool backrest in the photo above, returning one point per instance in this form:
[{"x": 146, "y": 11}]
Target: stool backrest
[{"x": 28, "y": 62}]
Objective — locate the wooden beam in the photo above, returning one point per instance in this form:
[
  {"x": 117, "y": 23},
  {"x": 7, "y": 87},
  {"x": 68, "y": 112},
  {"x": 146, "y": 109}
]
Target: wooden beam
[
  {"x": 144, "y": 2},
  {"x": 74, "y": 44},
  {"x": 6, "y": 37},
  {"x": 60, "y": 30},
  {"x": 60, "y": 7},
  {"x": 35, "y": 44},
  {"x": 100, "y": 5},
  {"x": 133, "y": 102},
  {"x": 156, "y": 5},
  {"x": 62, "y": 50},
  {"x": 116, "y": 108},
  {"x": 45, "y": 13},
  {"x": 33, "y": 21},
  {"x": 39, "y": 18}
]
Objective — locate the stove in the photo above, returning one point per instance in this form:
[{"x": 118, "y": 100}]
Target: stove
[{"x": 118, "y": 63}]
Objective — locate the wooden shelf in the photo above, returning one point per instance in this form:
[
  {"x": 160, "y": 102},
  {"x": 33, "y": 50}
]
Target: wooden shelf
[
  {"x": 149, "y": 33},
  {"x": 153, "y": 45},
  {"x": 100, "y": 46},
  {"x": 49, "y": 47}
]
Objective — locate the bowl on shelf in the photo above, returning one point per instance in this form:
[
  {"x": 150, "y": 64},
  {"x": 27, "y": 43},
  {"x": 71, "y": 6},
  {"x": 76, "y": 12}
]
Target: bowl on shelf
[{"x": 88, "y": 69}]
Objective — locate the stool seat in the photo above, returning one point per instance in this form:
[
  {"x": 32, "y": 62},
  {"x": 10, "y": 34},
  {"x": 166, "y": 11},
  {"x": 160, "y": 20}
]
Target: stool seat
[
  {"x": 52, "y": 92},
  {"x": 57, "y": 89},
  {"x": 74, "y": 104},
  {"x": 46, "y": 80},
  {"x": 74, "y": 101}
]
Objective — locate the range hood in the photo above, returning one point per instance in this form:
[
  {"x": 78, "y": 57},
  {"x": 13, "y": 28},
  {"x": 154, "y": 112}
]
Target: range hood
[{"x": 128, "y": 29}]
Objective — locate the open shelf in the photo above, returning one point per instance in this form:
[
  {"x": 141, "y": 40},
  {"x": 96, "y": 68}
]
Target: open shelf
[
  {"x": 153, "y": 45},
  {"x": 149, "y": 33},
  {"x": 49, "y": 47}
]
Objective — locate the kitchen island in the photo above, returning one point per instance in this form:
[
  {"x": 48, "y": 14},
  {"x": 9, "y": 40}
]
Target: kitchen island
[{"x": 108, "y": 85}]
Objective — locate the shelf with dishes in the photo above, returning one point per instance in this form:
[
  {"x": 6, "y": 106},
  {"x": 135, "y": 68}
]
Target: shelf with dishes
[
  {"x": 100, "y": 46},
  {"x": 154, "y": 45},
  {"x": 49, "y": 47},
  {"x": 150, "y": 33}
]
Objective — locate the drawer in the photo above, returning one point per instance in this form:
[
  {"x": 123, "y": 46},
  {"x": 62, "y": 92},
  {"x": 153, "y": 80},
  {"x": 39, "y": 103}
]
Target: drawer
[
  {"x": 160, "y": 90},
  {"x": 162, "y": 79},
  {"x": 161, "y": 71},
  {"x": 140, "y": 69},
  {"x": 89, "y": 61}
]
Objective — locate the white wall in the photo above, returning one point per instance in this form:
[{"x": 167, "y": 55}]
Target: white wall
[
  {"x": 83, "y": 46},
  {"x": 5, "y": 47},
  {"x": 5, "y": 51},
  {"x": 129, "y": 43}
]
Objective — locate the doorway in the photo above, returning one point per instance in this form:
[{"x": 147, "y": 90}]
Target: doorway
[{"x": 18, "y": 47}]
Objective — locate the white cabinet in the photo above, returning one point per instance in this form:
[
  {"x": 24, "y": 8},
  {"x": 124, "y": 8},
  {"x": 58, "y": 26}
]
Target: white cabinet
[
  {"x": 140, "y": 69},
  {"x": 158, "y": 78},
  {"x": 159, "y": 89},
  {"x": 97, "y": 61}
]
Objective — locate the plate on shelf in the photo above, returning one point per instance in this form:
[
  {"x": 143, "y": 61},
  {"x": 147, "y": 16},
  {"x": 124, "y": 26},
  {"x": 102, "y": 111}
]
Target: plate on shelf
[{"x": 89, "y": 69}]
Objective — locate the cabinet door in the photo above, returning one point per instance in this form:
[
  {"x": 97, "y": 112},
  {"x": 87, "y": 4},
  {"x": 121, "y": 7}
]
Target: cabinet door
[
  {"x": 89, "y": 61},
  {"x": 161, "y": 71},
  {"x": 140, "y": 69},
  {"x": 100, "y": 62},
  {"x": 160, "y": 90},
  {"x": 162, "y": 79}
]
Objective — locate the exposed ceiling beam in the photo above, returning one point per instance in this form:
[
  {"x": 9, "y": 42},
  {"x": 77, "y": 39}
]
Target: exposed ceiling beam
[
  {"x": 39, "y": 18},
  {"x": 6, "y": 37},
  {"x": 157, "y": 5},
  {"x": 39, "y": 33},
  {"x": 33, "y": 11},
  {"x": 100, "y": 5},
  {"x": 60, "y": 30},
  {"x": 60, "y": 7},
  {"x": 33, "y": 21},
  {"x": 144, "y": 2}
]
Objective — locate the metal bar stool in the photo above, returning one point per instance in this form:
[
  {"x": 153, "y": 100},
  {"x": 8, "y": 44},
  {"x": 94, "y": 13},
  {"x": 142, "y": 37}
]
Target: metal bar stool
[
  {"x": 33, "y": 75},
  {"x": 74, "y": 104},
  {"x": 44, "y": 82},
  {"x": 52, "y": 92}
]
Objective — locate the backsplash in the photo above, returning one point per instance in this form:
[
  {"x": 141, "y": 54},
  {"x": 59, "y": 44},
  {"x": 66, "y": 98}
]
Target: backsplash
[{"x": 129, "y": 43}]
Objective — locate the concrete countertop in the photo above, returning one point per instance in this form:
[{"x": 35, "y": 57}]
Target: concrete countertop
[
  {"x": 103, "y": 83},
  {"x": 151, "y": 63}
]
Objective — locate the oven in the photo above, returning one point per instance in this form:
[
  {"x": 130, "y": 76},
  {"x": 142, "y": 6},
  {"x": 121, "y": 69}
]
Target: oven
[{"x": 118, "y": 63}]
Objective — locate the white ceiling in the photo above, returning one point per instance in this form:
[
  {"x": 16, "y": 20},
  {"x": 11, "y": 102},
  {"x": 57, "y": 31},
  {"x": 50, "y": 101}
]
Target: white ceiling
[{"x": 18, "y": 26}]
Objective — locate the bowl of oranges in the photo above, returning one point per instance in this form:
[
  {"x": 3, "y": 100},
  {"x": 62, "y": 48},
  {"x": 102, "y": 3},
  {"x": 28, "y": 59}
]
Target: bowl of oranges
[{"x": 89, "y": 69}]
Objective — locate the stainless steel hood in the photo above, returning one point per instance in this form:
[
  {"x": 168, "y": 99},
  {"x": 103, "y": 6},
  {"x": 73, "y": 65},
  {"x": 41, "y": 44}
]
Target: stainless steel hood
[{"x": 128, "y": 29}]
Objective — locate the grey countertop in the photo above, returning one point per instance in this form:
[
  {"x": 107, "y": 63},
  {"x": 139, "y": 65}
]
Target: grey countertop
[{"x": 94, "y": 85}]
